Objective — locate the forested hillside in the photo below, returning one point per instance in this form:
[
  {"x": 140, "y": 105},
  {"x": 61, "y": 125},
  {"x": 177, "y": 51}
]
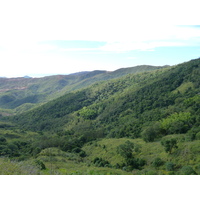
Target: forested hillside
[
  {"x": 21, "y": 94},
  {"x": 140, "y": 123}
]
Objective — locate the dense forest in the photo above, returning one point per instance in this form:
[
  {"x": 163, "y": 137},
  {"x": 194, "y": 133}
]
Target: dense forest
[{"x": 143, "y": 120}]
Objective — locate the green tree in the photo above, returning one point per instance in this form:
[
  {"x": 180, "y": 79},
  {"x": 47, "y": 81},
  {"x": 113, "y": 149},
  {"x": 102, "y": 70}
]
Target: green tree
[
  {"x": 40, "y": 164},
  {"x": 157, "y": 162},
  {"x": 169, "y": 166},
  {"x": 187, "y": 170},
  {"x": 3, "y": 140},
  {"x": 126, "y": 150},
  {"x": 87, "y": 113},
  {"x": 169, "y": 144},
  {"x": 177, "y": 123}
]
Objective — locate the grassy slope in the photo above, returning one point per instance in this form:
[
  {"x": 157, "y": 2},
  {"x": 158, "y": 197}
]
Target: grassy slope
[
  {"x": 59, "y": 162},
  {"x": 186, "y": 154}
]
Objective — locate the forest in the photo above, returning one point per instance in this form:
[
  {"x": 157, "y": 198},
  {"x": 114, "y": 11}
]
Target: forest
[{"x": 142, "y": 121}]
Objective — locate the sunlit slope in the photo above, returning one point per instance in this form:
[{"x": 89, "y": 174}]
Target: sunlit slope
[
  {"x": 22, "y": 94},
  {"x": 124, "y": 106}
]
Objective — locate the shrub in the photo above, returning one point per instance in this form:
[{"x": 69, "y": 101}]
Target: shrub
[
  {"x": 87, "y": 113},
  {"x": 151, "y": 132},
  {"x": 187, "y": 170},
  {"x": 169, "y": 166},
  {"x": 3, "y": 140},
  {"x": 192, "y": 134},
  {"x": 169, "y": 144},
  {"x": 126, "y": 149},
  {"x": 82, "y": 154},
  {"x": 40, "y": 164},
  {"x": 157, "y": 162},
  {"x": 100, "y": 162},
  {"x": 198, "y": 136},
  {"x": 177, "y": 123},
  {"x": 76, "y": 150},
  {"x": 148, "y": 134}
]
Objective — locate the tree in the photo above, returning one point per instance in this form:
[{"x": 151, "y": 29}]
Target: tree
[
  {"x": 40, "y": 164},
  {"x": 126, "y": 150},
  {"x": 87, "y": 113},
  {"x": 187, "y": 170},
  {"x": 177, "y": 123},
  {"x": 151, "y": 132},
  {"x": 169, "y": 144},
  {"x": 157, "y": 162},
  {"x": 169, "y": 166},
  {"x": 3, "y": 140}
]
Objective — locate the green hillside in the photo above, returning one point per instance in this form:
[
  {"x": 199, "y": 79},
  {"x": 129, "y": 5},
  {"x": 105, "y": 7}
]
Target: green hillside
[
  {"x": 21, "y": 94},
  {"x": 140, "y": 123}
]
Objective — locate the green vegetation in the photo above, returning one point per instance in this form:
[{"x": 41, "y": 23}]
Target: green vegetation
[
  {"x": 22, "y": 94},
  {"x": 139, "y": 123},
  {"x": 169, "y": 144}
]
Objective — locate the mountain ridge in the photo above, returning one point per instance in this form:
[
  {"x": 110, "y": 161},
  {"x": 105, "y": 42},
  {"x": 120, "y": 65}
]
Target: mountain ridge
[
  {"x": 15, "y": 92},
  {"x": 144, "y": 123},
  {"x": 141, "y": 86}
]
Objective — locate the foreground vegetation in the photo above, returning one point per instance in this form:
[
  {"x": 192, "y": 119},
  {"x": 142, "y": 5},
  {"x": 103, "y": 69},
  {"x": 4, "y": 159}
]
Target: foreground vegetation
[
  {"x": 103, "y": 157},
  {"x": 143, "y": 123}
]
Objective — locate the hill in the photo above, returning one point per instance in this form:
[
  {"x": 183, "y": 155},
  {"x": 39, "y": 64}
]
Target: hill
[
  {"x": 21, "y": 94},
  {"x": 135, "y": 96},
  {"x": 143, "y": 123}
]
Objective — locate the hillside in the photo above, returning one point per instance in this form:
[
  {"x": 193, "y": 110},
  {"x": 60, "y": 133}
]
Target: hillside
[
  {"x": 120, "y": 102},
  {"x": 21, "y": 94},
  {"x": 142, "y": 123}
]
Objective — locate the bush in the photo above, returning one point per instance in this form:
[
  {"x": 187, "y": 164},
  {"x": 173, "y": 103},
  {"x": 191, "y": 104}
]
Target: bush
[
  {"x": 151, "y": 132},
  {"x": 177, "y": 123},
  {"x": 192, "y": 134},
  {"x": 157, "y": 162},
  {"x": 76, "y": 150},
  {"x": 169, "y": 144},
  {"x": 187, "y": 170},
  {"x": 148, "y": 134},
  {"x": 169, "y": 166},
  {"x": 40, "y": 164},
  {"x": 126, "y": 149},
  {"x": 82, "y": 154},
  {"x": 198, "y": 136},
  {"x": 3, "y": 140},
  {"x": 100, "y": 162},
  {"x": 87, "y": 113}
]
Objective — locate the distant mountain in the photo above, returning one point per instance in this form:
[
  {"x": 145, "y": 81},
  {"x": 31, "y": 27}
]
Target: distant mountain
[
  {"x": 23, "y": 93},
  {"x": 80, "y": 73},
  {"x": 27, "y": 77}
]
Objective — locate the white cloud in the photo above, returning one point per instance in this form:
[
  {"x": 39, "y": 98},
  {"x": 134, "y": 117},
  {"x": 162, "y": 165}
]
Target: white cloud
[
  {"x": 105, "y": 20},
  {"x": 20, "y": 64},
  {"x": 131, "y": 58},
  {"x": 79, "y": 49},
  {"x": 124, "y": 26},
  {"x": 138, "y": 37}
]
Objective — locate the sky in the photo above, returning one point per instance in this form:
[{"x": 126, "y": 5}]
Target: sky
[{"x": 39, "y": 38}]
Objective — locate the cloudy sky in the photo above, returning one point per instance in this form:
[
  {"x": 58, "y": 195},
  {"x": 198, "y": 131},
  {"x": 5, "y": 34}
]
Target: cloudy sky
[{"x": 59, "y": 37}]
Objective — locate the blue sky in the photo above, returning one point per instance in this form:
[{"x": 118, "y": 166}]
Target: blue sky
[{"x": 60, "y": 37}]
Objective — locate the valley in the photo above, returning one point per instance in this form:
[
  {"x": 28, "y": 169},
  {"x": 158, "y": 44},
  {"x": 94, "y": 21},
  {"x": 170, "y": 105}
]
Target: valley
[{"x": 142, "y": 120}]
